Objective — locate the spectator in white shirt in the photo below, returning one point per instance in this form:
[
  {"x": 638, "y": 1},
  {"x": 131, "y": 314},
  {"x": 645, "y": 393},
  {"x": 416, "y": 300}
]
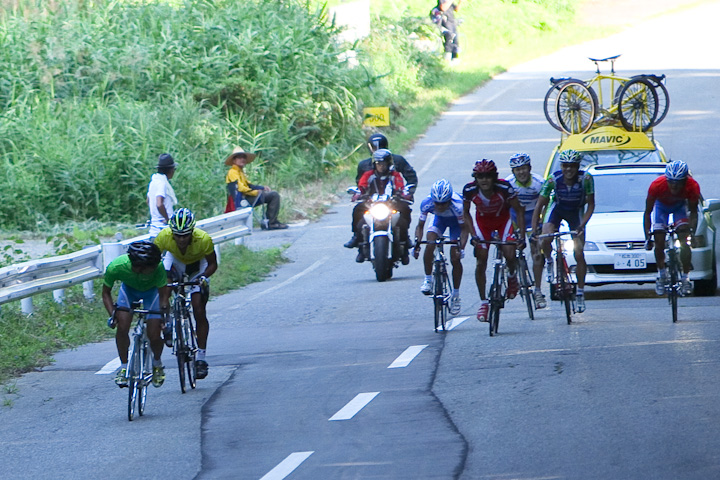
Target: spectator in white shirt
[{"x": 161, "y": 196}]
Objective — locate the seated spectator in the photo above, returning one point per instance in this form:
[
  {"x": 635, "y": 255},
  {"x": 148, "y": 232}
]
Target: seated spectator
[{"x": 239, "y": 187}]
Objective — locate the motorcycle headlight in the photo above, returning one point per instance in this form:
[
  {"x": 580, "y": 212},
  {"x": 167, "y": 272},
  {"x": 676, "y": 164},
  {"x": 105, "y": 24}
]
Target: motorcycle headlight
[
  {"x": 568, "y": 246},
  {"x": 380, "y": 211}
]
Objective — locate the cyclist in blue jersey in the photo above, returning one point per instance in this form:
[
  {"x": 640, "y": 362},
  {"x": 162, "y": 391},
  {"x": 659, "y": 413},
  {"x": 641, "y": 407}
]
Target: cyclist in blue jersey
[
  {"x": 573, "y": 189},
  {"x": 447, "y": 208},
  {"x": 528, "y": 186}
]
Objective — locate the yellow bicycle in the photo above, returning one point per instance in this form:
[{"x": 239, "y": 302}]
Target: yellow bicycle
[{"x": 638, "y": 103}]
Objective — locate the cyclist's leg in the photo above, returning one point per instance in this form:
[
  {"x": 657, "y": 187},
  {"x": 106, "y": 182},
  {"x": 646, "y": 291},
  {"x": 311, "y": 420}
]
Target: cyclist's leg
[
  {"x": 123, "y": 318},
  {"x": 660, "y": 216},
  {"x": 429, "y": 253}
]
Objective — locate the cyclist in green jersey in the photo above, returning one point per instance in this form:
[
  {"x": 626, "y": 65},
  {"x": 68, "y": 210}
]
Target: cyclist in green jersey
[{"x": 142, "y": 277}]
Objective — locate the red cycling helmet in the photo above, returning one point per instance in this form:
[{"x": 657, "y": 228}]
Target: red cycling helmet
[{"x": 485, "y": 166}]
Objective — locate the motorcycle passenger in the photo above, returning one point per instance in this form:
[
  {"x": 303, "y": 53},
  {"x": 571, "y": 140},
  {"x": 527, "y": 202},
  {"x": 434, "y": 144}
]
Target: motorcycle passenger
[
  {"x": 528, "y": 185},
  {"x": 493, "y": 199},
  {"x": 384, "y": 180},
  {"x": 573, "y": 189},
  {"x": 142, "y": 277},
  {"x": 675, "y": 193},
  {"x": 447, "y": 208},
  {"x": 191, "y": 251},
  {"x": 375, "y": 142}
]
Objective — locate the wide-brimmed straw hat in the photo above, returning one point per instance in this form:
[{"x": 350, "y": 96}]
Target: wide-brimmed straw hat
[{"x": 237, "y": 151}]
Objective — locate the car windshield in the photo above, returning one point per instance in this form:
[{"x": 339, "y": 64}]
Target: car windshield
[
  {"x": 622, "y": 192},
  {"x": 607, "y": 157}
]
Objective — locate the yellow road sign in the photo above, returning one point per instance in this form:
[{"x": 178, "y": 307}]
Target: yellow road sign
[{"x": 376, "y": 116}]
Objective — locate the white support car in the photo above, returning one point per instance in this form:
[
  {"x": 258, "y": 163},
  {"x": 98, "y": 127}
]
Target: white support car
[{"x": 614, "y": 239}]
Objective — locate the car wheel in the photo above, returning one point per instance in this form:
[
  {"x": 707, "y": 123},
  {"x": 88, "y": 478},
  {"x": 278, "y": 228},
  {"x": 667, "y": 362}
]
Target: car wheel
[{"x": 707, "y": 288}]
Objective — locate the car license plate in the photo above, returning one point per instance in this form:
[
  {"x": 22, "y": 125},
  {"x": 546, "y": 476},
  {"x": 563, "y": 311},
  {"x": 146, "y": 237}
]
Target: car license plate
[{"x": 626, "y": 261}]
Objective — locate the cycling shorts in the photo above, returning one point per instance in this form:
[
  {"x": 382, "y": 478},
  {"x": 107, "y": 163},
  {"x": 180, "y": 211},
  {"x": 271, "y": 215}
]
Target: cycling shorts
[
  {"x": 440, "y": 224},
  {"x": 504, "y": 227},
  {"x": 662, "y": 212},
  {"x": 528, "y": 219},
  {"x": 177, "y": 269},
  {"x": 128, "y": 295},
  {"x": 557, "y": 215}
]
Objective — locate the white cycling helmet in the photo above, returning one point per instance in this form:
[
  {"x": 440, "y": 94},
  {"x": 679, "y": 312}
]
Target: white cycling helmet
[
  {"x": 519, "y": 159},
  {"x": 441, "y": 191},
  {"x": 676, "y": 170}
]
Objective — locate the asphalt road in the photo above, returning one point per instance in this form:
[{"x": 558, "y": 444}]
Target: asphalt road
[{"x": 321, "y": 372}]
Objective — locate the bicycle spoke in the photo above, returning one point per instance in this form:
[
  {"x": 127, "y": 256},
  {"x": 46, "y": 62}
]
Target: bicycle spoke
[
  {"x": 638, "y": 105},
  {"x": 576, "y": 107}
]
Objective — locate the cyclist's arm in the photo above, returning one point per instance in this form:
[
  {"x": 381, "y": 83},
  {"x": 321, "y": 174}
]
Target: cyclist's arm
[
  {"x": 420, "y": 229},
  {"x": 212, "y": 264},
  {"x": 649, "y": 205},
  {"x": 164, "y": 294},
  {"x": 160, "y": 203},
  {"x": 107, "y": 299},
  {"x": 468, "y": 218},
  {"x": 520, "y": 213},
  {"x": 588, "y": 212},
  {"x": 542, "y": 202}
]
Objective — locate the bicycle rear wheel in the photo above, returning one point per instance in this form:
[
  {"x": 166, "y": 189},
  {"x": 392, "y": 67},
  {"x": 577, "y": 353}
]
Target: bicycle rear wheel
[
  {"x": 551, "y": 100},
  {"x": 663, "y": 97},
  {"x": 674, "y": 282},
  {"x": 638, "y": 105},
  {"x": 576, "y": 107},
  {"x": 526, "y": 286},
  {"x": 190, "y": 352}
]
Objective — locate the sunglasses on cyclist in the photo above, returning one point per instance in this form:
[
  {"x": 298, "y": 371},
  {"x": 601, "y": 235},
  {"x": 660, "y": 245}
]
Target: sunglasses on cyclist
[{"x": 484, "y": 175}]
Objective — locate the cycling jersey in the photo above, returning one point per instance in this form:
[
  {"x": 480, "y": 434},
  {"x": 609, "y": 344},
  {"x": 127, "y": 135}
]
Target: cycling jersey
[
  {"x": 200, "y": 246},
  {"x": 660, "y": 191},
  {"x": 493, "y": 213},
  {"x": 569, "y": 197},
  {"x": 451, "y": 218},
  {"x": 120, "y": 270},
  {"x": 529, "y": 192}
]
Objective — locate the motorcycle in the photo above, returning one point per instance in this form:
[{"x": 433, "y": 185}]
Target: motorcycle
[{"x": 380, "y": 234}]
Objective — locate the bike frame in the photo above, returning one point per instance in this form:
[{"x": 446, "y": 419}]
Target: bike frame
[
  {"x": 139, "y": 369},
  {"x": 563, "y": 285},
  {"x": 498, "y": 288},
  {"x": 184, "y": 340},
  {"x": 442, "y": 289},
  {"x": 674, "y": 269}
]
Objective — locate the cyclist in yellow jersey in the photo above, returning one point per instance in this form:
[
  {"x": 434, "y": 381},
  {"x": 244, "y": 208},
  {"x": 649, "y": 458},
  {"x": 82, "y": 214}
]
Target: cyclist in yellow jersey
[{"x": 191, "y": 251}]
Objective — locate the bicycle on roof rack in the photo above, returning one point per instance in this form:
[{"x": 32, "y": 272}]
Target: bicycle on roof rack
[{"x": 638, "y": 103}]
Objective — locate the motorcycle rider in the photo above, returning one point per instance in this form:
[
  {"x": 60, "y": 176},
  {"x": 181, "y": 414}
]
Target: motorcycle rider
[
  {"x": 375, "y": 142},
  {"x": 384, "y": 180},
  {"x": 447, "y": 208}
]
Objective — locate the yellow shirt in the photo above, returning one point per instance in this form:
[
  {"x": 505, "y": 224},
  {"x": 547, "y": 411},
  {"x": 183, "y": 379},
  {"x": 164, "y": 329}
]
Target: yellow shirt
[
  {"x": 200, "y": 246},
  {"x": 236, "y": 174}
]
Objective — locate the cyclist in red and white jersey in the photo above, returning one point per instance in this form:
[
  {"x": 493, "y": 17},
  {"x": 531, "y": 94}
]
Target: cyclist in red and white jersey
[
  {"x": 492, "y": 199},
  {"x": 676, "y": 193}
]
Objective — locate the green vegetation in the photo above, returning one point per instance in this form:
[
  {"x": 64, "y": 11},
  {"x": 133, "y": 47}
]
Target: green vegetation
[{"x": 28, "y": 342}]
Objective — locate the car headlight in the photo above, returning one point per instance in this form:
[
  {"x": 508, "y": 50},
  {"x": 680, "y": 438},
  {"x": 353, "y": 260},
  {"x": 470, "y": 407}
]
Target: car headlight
[
  {"x": 591, "y": 247},
  {"x": 380, "y": 211}
]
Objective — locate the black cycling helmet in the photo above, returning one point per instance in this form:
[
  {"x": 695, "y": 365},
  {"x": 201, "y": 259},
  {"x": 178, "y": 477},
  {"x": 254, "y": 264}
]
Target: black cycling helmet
[
  {"x": 376, "y": 141},
  {"x": 144, "y": 254}
]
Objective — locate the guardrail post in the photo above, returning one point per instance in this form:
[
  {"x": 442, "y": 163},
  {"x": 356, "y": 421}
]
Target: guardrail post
[
  {"x": 59, "y": 296},
  {"x": 88, "y": 290},
  {"x": 26, "y": 306},
  {"x": 217, "y": 253}
]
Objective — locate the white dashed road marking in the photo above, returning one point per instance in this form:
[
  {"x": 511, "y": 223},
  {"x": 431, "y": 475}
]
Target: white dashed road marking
[
  {"x": 354, "y": 406},
  {"x": 407, "y": 356},
  {"x": 287, "y": 466},
  {"x": 109, "y": 367},
  {"x": 455, "y": 322}
]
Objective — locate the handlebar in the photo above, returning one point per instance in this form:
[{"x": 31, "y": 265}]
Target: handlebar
[
  {"x": 557, "y": 234},
  {"x": 439, "y": 241}
]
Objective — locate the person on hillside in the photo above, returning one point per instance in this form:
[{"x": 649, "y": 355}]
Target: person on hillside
[
  {"x": 239, "y": 187},
  {"x": 191, "y": 251},
  {"x": 572, "y": 190},
  {"x": 384, "y": 180},
  {"x": 443, "y": 15},
  {"x": 375, "y": 142},
  {"x": 160, "y": 195},
  {"x": 447, "y": 209},
  {"x": 528, "y": 185},
  {"x": 493, "y": 199},
  {"x": 142, "y": 277},
  {"x": 678, "y": 194}
]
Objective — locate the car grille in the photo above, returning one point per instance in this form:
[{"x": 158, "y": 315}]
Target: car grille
[{"x": 629, "y": 245}]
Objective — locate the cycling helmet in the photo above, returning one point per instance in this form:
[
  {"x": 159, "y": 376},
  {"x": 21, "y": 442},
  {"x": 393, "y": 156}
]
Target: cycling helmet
[
  {"x": 519, "y": 159},
  {"x": 182, "y": 222},
  {"x": 144, "y": 253},
  {"x": 676, "y": 170},
  {"x": 485, "y": 166},
  {"x": 569, "y": 156},
  {"x": 382, "y": 155},
  {"x": 377, "y": 141},
  {"x": 441, "y": 191}
]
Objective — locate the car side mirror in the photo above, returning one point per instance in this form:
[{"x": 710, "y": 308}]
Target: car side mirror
[
  {"x": 353, "y": 190},
  {"x": 711, "y": 205}
]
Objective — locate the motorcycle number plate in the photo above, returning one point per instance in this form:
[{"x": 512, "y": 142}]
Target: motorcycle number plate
[{"x": 630, "y": 261}]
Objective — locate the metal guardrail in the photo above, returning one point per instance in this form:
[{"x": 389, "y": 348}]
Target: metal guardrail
[{"x": 23, "y": 280}]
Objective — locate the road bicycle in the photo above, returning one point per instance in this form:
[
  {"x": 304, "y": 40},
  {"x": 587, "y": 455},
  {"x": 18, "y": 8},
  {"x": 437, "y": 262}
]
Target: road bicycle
[
  {"x": 139, "y": 369},
  {"x": 526, "y": 282},
  {"x": 184, "y": 337},
  {"x": 674, "y": 284},
  {"x": 562, "y": 287},
  {"x": 639, "y": 103},
  {"x": 498, "y": 289},
  {"x": 441, "y": 289}
]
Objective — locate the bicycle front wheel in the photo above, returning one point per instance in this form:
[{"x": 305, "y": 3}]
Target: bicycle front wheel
[
  {"x": 576, "y": 107},
  {"x": 526, "y": 287},
  {"x": 674, "y": 286},
  {"x": 146, "y": 369},
  {"x": 663, "y": 97},
  {"x": 133, "y": 379},
  {"x": 564, "y": 290},
  {"x": 180, "y": 350},
  {"x": 191, "y": 351},
  {"x": 638, "y": 105}
]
